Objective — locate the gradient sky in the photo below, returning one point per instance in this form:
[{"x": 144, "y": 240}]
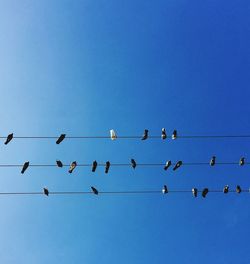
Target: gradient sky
[{"x": 84, "y": 67}]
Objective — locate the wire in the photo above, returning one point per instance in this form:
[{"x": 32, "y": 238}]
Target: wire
[
  {"x": 112, "y": 192},
  {"x": 127, "y": 164},
  {"x": 132, "y": 137}
]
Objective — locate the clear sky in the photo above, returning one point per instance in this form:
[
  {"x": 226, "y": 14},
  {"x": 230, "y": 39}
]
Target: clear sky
[{"x": 84, "y": 67}]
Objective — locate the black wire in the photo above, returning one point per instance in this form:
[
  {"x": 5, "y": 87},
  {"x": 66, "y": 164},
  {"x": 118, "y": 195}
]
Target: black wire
[
  {"x": 132, "y": 137},
  {"x": 126, "y": 164},
  {"x": 111, "y": 192}
]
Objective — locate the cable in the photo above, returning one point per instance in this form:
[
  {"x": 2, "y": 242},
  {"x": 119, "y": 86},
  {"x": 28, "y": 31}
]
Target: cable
[{"x": 112, "y": 192}]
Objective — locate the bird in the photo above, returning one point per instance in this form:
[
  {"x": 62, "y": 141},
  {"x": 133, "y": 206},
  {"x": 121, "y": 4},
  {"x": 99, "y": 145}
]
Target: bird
[
  {"x": 177, "y": 165},
  {"x": 145, "y": 135},
  {"x": 168, "y": 164},
  {"x": 204, "y": 192},
  {"x": 238, "y": 189},
  {"x": 61, "y": 138},
  {"x": 163, "y": 133},
  {"x": 94, "y": 190},
  {"x": 107, "y": 167},
  {"x": 59, "y": 164},
  {"x": 25, "y": 166},
  {"x": 195, "y": 192},
  {"x": 8, "y": 139},
  {"x": 46, "y": 191},
  {"x": 133, "y": 163},
  {"x": 72, "y": 166},
  {"x": 113, "y": 135},
  {"x": 212, "y": 161},
  {"x": 226, "y": 189},
  {"x": 94, "y": 165},
  {"x": 174, "y": 134},
  {"x": 164, "y": 189},
  {"x": 242, "y": 161}
]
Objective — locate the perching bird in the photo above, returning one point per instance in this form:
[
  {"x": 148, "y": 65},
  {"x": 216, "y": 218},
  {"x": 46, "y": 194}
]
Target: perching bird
[
  {"x": 133, "y": 163},
  {"x": 238, "y": 189},
  {"x": 94, "y": 190},
  {"x": 177, "y": 165},
  {"x": 59, "y": 164},
  {"x": 168, "y": 164},
  {"x": 8, "y": 139},
  {"x": 195, "y": 192},
  {"x": 174, "y": 134},
  {"x": 107, "y": 167},
  {"x": 242, "y": 161},
  {"x": 113, "y": 135},
  {"x": 61, "y": 138},
  {"x": 212, "y": 161},
  {"x": 226, "y": 189},
  {"x": 94, "y": 165},
  {"x": 164, "y": 189},
  {"x": 25, "y": 166},
  {"x": 72, "y": 166},
  {"x": 204, "y": 192},
  {"x": 163, "y": 133},
  {"x": 145, "y": 135},
  {"x": 46, "y": 191}
]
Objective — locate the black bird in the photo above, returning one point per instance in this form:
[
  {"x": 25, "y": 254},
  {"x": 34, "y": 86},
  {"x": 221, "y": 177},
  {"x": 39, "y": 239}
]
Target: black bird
[
  {"x": 212, "y": 161},
  {"x": 94, "y": 190},
  {"x": 204, "y": 192},
  {"x": 61, "y": 138},
  {"x": 168, "y": 164},
  {"x": 177, "y": 165},
  {"x": 59, "y": 164},
  {"x": 72, "y": 166},
  {"x": 8, "y": 139},
  {"x": 145, "y": 135},
  {"x": 94, "y": 165},
  {"x": 226, "y": 189},
  {"x": 46, "y": 191},
  {"x": 133, "y": 163},
  {"x": 238, "y": 189},
  {"x": 25, "y": 166},
  {"x": 242, "y": 161},
  {"x": 107, "y": 167},
  {"x": 195, "y": 192},
  {"x": 165, "y": 189},
  {"x": 163, "y": 133},
  {"x": 174, "y": 134}
]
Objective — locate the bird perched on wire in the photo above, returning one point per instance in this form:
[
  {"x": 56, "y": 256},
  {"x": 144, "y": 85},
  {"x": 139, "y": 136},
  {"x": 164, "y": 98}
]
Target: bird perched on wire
[
  {"x": 195, "y": 192},
  {"x": 107, "y": 167},
  {"x": 25, "y": 166},
  {"x": 94, "y": 190},
  {"x": 164, "y": 189},
  {"x": 167, "y": 165},
  {"x": 46, "y": 191},
  {"x": 59, "y": 164},
  {"x": 72, "y": 166},
  {"x": 226, "y": 189},
  {"x": 61, "y": 138},
  {"x": 145, "y": 135},
  {"x": 177, "y": 165},
  {"x": 113, "y": 135},
  {"x": 204, "y": 192},
  {"x": 212, "y": 161},
  {"x": 174, "y": 134},
  {"x": 242, "y": 161},
  {"x": 133, "y": 163},
  {"x": 238, "y": 189},
  {"x": 163, "y": 133},
  {"x": 8, "y": 139},
  {"x": 94, "y": 165}
]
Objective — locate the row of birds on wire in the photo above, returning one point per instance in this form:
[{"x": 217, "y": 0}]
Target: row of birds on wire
[
  {"x": 204, "y": 192},
  {"x": 133, "y": 164},
  {"x": 113, "y": 136}
]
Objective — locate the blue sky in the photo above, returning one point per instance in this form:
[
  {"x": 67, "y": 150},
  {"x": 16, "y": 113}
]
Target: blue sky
[{"x": 84, "y": 67}]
